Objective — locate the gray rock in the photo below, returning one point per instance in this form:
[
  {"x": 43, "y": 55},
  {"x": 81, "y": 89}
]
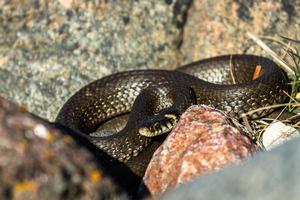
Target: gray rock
[
  {"x": 269, "y": 176},
  {"x": 47, "y": 51}
]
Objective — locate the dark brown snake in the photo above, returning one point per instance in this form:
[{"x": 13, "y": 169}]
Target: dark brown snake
[{"x": 155, "y": 100}]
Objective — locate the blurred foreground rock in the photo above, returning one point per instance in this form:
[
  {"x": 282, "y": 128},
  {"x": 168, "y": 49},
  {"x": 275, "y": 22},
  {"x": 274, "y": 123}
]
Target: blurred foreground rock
[
  {"x": 40, "y": 162},
  {"x": 273, "y": 175},
  {"x": 204, "y": 140}
]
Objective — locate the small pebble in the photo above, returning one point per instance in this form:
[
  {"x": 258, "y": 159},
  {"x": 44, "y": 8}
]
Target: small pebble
[{"x": 277, "y": 133}]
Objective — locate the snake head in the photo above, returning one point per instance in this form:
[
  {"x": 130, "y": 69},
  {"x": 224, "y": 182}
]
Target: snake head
[{"x": 158, "y": 125}]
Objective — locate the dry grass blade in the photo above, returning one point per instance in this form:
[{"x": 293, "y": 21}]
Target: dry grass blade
[
  {"x": 286, "y": 45},
  {"x": 251, "y": 112},
  {"x": 291, "y": 99},
  {"x": 289, "y": 39},
  {"x": 231, "y": 70}
]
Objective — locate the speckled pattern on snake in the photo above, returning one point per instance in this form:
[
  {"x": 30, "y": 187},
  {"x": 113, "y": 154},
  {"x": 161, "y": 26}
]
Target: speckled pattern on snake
[{"x": 155, "y": 100}]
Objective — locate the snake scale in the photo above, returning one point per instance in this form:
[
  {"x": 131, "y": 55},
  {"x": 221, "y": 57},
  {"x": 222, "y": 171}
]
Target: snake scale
[{"x": 155, "y": 99}]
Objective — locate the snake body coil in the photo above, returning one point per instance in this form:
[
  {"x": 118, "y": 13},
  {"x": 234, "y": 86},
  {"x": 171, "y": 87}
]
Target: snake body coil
[{"x": 158, "y": 97}]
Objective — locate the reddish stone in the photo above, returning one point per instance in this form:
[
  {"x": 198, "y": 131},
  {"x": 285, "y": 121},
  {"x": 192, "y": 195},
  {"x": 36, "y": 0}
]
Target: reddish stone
[{"x": 204, "y": 140}]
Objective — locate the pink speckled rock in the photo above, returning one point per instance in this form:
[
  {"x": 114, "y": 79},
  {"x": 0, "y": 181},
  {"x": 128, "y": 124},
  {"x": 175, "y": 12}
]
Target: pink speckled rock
[{"x": 204, "y": 140}]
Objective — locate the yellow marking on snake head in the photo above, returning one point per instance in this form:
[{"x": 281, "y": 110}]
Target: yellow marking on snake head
[{"x": 170, "y": 116}]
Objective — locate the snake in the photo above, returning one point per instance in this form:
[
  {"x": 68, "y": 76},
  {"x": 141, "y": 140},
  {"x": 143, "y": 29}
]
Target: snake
[{"x": 138, "y": 107}]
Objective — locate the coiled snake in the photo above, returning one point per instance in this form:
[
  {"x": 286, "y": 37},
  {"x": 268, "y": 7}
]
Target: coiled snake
[{"x": 155, "y": 100}]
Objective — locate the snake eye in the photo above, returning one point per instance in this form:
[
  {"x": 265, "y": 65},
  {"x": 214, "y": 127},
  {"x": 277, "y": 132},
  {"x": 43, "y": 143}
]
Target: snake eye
[{"x": 156, "y": 126}]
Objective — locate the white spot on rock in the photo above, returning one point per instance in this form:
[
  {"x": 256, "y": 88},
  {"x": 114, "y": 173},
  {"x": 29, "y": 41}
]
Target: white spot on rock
[{"x": 41, "y": 131}]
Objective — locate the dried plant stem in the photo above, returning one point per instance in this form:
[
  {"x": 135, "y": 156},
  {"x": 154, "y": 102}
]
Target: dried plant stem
[
  {"x": 231, "y": 70},
  {"x": 248, "y": 126},
  {"x": 269, "y": 107},
  {"x": 286, "y": 45}
]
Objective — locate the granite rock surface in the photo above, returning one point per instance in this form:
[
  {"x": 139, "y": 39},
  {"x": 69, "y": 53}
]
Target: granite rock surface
[
  {"x": 220, "y": 27},
  {"x": 50, "y": 49}
]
